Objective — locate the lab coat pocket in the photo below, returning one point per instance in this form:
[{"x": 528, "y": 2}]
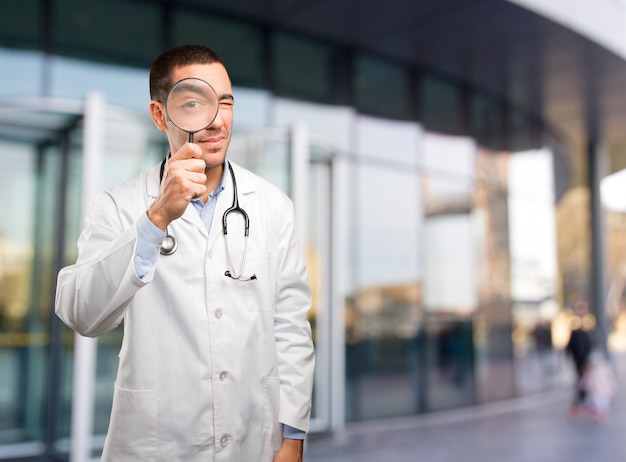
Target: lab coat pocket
[
  {"x": 271, "y": 427},
  {"x": 261, "y": 290},
  {"x": 132, "y": 430}
]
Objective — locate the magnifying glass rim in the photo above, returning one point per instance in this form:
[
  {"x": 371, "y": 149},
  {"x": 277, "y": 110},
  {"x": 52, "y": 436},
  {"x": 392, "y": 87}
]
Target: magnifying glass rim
[{"x": 217, "y": 105}]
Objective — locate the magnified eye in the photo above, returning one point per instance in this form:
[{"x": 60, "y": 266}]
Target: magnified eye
[{"x": 191, "y": 105}]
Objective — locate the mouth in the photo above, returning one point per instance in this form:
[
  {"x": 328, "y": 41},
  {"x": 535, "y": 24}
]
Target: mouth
[{"x": 213, "y": 140}]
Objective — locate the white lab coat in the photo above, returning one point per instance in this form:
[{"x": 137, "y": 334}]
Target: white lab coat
[{"x": 209, "y": 365}]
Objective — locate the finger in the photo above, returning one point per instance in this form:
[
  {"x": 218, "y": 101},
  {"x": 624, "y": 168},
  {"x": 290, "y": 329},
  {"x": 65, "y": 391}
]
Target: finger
[
  {"x": 186, "y": 171},
  {"x": 187, "y": 151},
  {"x": 196, "y": 191},
  {"x": 196, "y": 177},
  {"x": 182, "y": 167}
]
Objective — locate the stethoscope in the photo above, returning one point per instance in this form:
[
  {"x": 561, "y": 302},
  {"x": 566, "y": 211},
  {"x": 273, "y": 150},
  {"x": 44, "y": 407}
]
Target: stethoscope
[{"x": 170, "y": 244}]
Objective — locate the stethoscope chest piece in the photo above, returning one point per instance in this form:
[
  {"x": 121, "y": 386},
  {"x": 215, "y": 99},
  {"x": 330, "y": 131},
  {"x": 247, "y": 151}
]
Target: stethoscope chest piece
[{"x": 168, "y": 246}]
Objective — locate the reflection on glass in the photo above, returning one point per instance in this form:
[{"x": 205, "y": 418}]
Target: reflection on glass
[
  {"x": 492, "y": 320},
  {"x": 30, "y": 67},
  {"x": 384, "y": 312},
  {"x": 318, "y": 265},
  {"x": 26, "y": 253},
  {"x": 534, "y": 280},
  {"x": 131, "y": 145},
  {"x": 265, "y": 154},
  {"x": 450, "y": 279}
]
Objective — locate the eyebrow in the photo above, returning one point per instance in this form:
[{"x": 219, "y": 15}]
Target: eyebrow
[{"x": 228, "y": 96}]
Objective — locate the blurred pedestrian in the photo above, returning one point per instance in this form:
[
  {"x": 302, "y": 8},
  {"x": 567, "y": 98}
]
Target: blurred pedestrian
[
  {"x": 579, "y": 348},
  {"x": 599, "y": 385}
]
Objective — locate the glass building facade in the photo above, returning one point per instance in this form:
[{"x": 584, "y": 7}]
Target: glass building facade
[{"x": 429, "y": 210}]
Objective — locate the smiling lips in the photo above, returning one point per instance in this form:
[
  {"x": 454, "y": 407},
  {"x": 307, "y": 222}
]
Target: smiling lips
[{"x": 213, "y": 138}]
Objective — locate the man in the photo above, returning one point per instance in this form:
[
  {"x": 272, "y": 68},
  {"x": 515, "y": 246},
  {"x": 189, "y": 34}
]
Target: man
[
  {"x": 217, "y": 359},
  {"x": 579, "y": 347}
]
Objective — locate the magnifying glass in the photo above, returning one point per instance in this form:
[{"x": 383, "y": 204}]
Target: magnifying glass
[{"x": 192, "y": 105}]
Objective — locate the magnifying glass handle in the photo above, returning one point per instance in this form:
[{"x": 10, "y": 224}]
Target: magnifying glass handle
[{"x": 191, "y": 137}]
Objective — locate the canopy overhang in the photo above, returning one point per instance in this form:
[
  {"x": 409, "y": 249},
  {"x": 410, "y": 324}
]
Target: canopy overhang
[{"x": 576, "y": 86}]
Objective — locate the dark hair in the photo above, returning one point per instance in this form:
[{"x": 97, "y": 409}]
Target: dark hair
[{"x": 163, "y": 66}]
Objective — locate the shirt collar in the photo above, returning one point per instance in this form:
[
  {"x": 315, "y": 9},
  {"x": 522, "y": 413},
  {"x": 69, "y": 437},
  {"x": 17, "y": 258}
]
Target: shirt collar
[{"x": 220, "y": 187}]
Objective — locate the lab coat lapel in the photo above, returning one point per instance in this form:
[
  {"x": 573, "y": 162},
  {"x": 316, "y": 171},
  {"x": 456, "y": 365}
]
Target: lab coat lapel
[
  {"x": 192, "y": 216},
  {"x": 153, "y": 182}
]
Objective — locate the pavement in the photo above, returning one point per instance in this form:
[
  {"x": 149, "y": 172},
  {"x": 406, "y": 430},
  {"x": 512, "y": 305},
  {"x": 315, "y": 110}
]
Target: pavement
[{"x": 533, "y": 428}]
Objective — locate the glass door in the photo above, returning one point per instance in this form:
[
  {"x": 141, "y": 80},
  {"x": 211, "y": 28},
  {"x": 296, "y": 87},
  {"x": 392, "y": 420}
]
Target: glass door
[
  {"x": 33, "y": 185},
  {"x": 318, "y": 263},
  {"x": 41, "y": 151},
  {"x": 111, "y": 146}
]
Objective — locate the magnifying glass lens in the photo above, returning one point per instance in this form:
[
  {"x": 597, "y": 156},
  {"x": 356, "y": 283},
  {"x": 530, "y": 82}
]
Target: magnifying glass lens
[{"x": 192, "y": 105}]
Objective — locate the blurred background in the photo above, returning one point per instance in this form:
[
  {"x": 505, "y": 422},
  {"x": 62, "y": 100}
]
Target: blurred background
[{"x": 455, "y": 167}]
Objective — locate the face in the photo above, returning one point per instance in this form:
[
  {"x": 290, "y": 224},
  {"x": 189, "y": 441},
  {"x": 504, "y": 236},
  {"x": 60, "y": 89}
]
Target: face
[{"x": 213, "y": 140}]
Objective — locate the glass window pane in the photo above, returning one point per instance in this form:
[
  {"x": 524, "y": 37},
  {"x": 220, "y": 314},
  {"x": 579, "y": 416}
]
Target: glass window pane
[
  {"x": 448, "y": 361},
  {"x": 131, "y": 145},
  {"x": 26, "y": 254},
  {"x": 534, "y": 280},
  {"x": 113, "y": 30},
  {"x": 441, "y": 106},
  {"x": 388, "y": 140},
  {"x": 318, "y": 266},
  {"x": 332, "y": 123},
  {"x": 382, "y": 88},
  {"x": 453, "y": 155},
  {"x": 388, "y": 237},
  {"x": 121, "y": 86},
  {"x": 21, "y": 28},
  {"x": 486, "y": 121},
  {"x": 494, "y": 370},
  {"x": 524, "y": 133},
  {"x": 302, "y": 68},
  {"x": 268, "y": 155},
  {"x": 451, "y": 262},
  {"x": 251, "y": 107},
  {"x": 239, "y": 44},
  {"x": 27, "y": 67},
  {"x": 384, "y": 313},
  {"x": 450, "y": 292}
]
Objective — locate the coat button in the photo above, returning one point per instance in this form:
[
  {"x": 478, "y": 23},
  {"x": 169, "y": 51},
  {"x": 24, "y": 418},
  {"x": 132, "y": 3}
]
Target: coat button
[
  {"x": 224, "y": 440},
  {"x": 218, "y": 313},
  {"x": 223, "y": 376}
]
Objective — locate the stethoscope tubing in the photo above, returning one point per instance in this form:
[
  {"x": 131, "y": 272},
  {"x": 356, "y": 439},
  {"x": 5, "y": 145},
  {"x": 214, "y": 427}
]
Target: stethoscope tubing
[
  {"x": 170, "y": 244},
  {"x": 235, "y": 207}
]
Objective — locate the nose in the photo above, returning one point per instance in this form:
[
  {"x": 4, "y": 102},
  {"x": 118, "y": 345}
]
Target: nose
[{"x": 217, "y": 121}]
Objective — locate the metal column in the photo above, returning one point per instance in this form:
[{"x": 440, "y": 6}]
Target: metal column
[
  {"x": 595, "y": 163},
  {"x": 85, "y": 349}
]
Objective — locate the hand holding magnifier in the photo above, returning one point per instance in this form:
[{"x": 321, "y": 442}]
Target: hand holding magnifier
[{"x": 192, "y": 105}]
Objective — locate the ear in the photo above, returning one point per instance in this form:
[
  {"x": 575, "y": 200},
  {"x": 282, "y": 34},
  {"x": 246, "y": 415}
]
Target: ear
[{"x": 157, "y": 112}]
